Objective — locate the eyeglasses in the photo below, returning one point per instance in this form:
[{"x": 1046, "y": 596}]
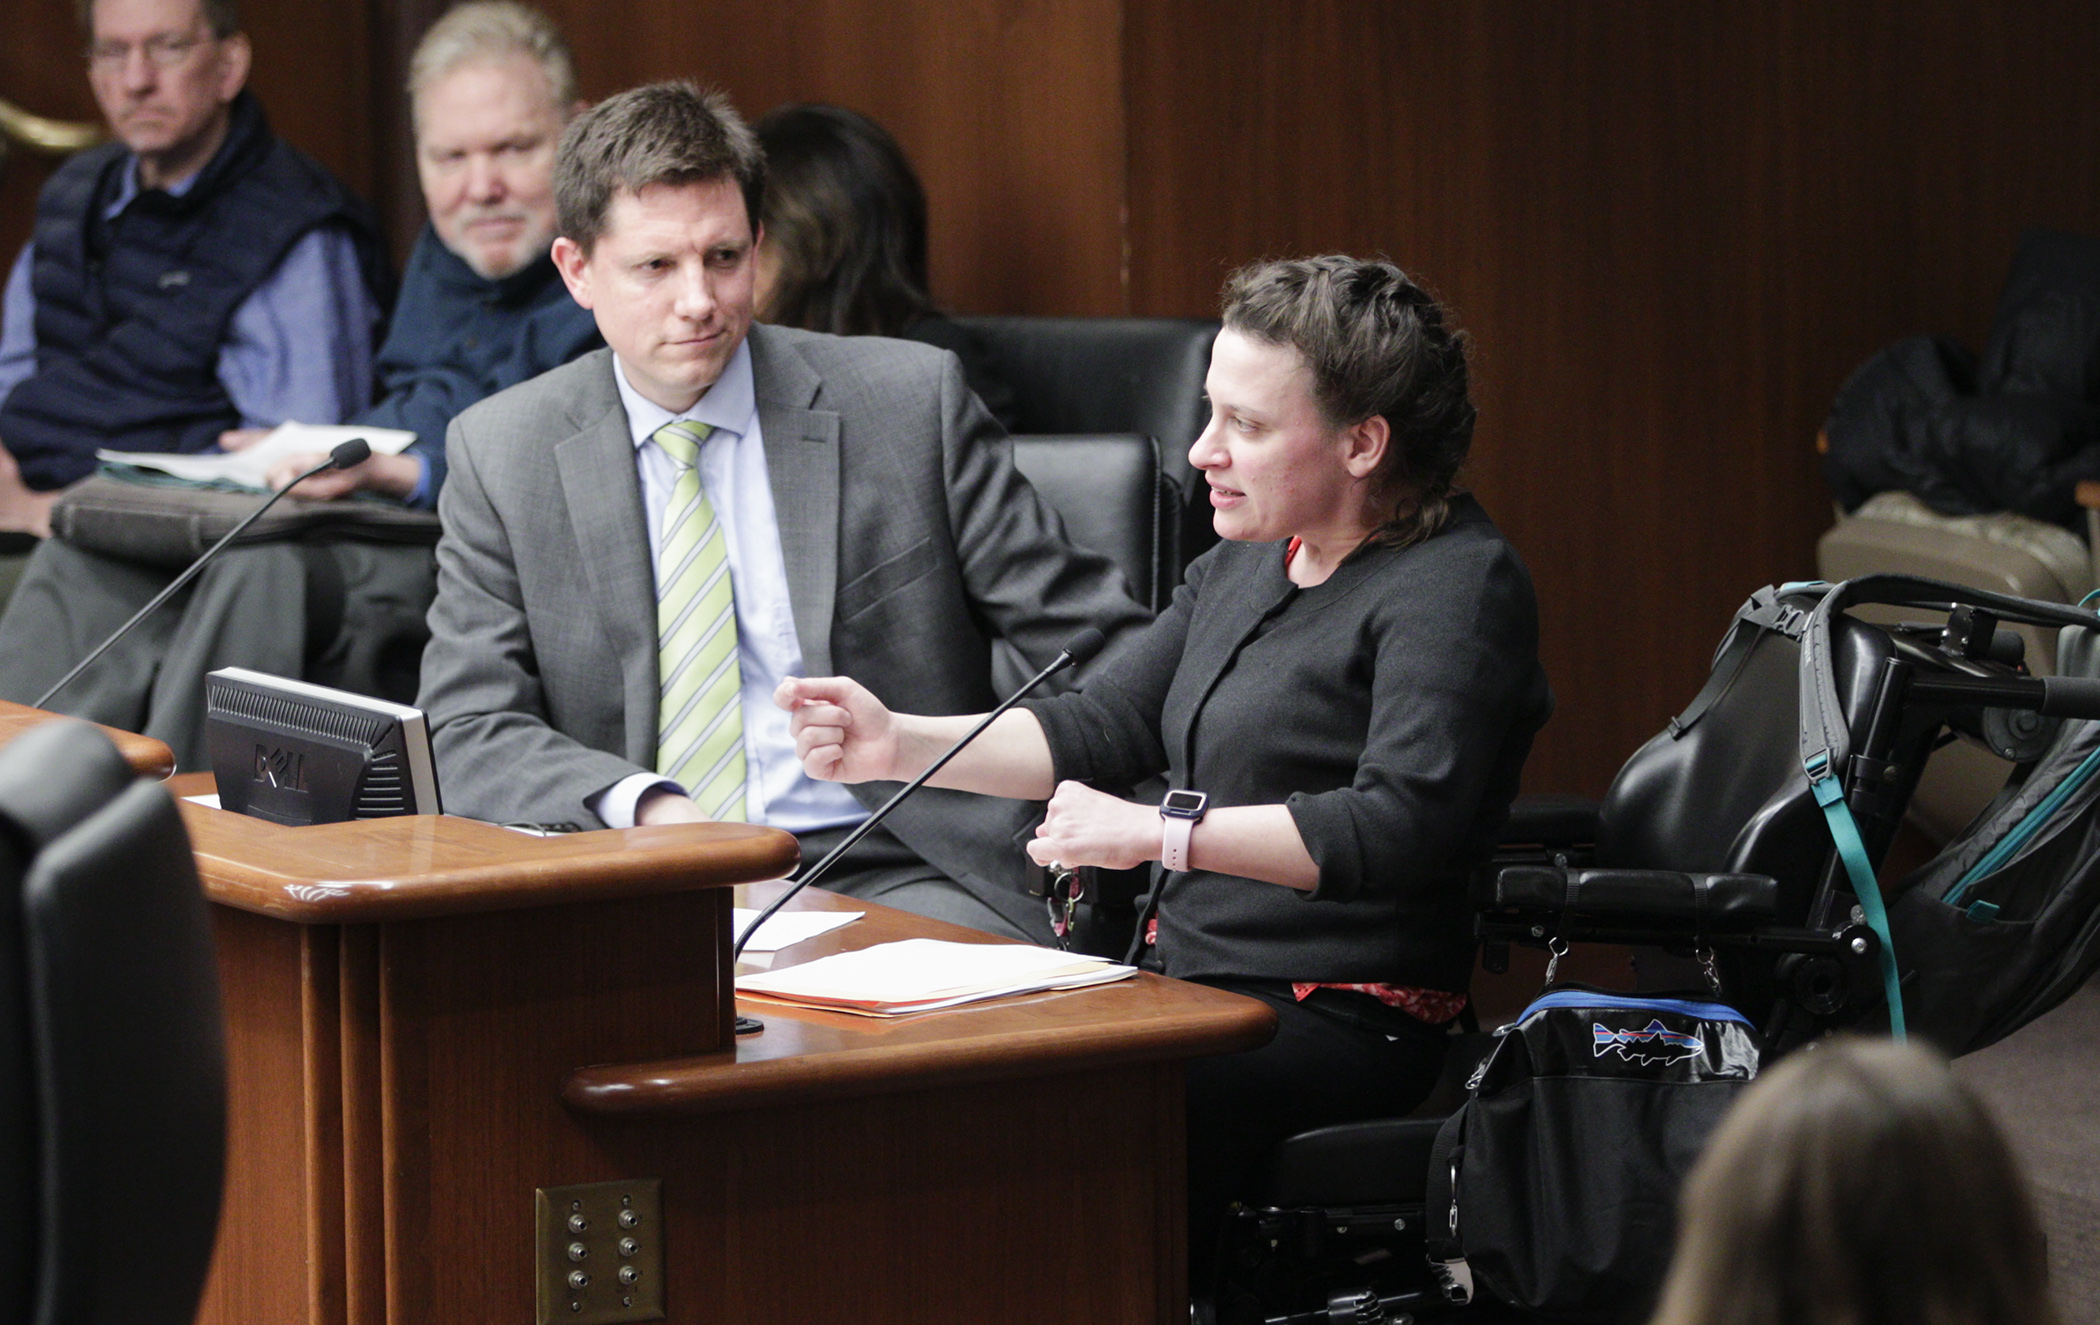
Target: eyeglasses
[{"x": 164, "y": 51}]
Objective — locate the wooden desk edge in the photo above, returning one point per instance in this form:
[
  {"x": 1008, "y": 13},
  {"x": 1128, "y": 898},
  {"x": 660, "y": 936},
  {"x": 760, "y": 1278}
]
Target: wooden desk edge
[
  {"x": 268, "y": 869},
  {"x": 148, "y": 758},
  {"x": 716, "y": 1083}
]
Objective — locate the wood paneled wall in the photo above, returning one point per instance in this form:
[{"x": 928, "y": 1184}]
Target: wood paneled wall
[
  {"x": 1672, "y": 230},
  {"x": 41, "y": 70},
  {"x": 1011, "y": 109}
]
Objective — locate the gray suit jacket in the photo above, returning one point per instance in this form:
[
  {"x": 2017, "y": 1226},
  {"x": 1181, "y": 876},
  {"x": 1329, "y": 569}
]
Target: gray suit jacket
[{"x": 910, "y": 542}]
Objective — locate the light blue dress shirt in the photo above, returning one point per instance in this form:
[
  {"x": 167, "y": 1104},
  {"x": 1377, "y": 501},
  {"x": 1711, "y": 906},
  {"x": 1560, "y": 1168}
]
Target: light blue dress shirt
[
  {"x": 733, "y": 474},
  {"x": 299, "y": 348}
]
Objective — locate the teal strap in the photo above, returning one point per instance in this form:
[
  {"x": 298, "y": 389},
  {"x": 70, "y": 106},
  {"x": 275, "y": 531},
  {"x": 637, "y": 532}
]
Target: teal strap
[
  {"x": 1853, "y": 852},
  {"x": 2035, "y": 819}
]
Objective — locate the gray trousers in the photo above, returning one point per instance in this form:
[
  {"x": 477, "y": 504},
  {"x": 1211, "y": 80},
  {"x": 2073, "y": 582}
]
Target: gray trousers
[{"x": 343, "y": 614}]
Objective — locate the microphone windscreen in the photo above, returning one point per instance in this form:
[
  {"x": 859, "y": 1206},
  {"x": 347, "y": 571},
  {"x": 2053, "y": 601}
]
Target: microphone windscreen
[
  {"x": 353, "y": 452},
  {"x": 1083, "y": 646}
]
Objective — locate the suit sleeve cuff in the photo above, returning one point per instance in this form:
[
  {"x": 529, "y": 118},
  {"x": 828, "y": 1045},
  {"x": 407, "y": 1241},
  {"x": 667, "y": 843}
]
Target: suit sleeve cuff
[{"x": 615, "y": 805}]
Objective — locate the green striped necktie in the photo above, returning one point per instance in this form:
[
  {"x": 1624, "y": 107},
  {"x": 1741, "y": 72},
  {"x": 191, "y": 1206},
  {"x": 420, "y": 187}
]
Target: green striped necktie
[{"x": 700, "y": 720}]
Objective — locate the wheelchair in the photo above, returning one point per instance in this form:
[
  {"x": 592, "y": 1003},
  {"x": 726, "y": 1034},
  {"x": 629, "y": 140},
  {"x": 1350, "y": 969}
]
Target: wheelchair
[{"x": 1711, "y": 857}]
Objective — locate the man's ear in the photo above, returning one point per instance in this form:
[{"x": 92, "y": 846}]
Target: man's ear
[
  {"x": 239, "y": 55},
  {"x": 575, "y": 267},
  {"x": 1364, "y": 445}
]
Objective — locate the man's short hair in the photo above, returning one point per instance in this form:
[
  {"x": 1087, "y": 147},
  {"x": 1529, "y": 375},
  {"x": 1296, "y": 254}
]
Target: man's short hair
[
  {"x": 223, "y": 15},
  {"x": 488, "y": 30},
  {"x": 664, "y": 133}
]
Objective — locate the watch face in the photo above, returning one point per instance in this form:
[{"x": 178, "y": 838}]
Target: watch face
[{"x": 1183, "y": 804}]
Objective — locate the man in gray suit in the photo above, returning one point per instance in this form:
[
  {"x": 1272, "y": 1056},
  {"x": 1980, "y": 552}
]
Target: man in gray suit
[{"x": 639, "y": 545}]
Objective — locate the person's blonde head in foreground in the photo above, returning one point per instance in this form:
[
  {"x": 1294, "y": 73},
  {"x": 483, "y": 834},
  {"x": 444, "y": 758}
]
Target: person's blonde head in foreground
[{"x": 1858, "y": 1183}]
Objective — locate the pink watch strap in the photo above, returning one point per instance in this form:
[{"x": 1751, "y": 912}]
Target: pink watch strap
[{"x": 1174, "y": 841}]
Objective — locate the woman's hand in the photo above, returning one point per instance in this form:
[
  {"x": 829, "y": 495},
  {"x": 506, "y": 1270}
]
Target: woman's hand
[
  {"x": 842, "y": 733},
  {"x": 1088, "y": 827}
]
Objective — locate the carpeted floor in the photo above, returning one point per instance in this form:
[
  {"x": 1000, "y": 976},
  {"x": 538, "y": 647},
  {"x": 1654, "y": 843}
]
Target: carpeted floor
[{"x": 2044, "y": 1084}]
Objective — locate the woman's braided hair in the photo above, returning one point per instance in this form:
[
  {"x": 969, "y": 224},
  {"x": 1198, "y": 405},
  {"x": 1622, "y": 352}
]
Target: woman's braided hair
[{"x": 1376, "y": 344}]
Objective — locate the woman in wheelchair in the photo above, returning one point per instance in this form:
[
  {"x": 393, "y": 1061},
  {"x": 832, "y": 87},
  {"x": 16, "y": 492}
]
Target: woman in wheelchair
[{"x": 1342, "y": 695}]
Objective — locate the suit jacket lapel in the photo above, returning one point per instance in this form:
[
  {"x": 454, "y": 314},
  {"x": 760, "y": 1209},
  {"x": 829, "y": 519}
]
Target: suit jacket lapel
[
  {"x": 802, "y": 462},
  {"x": 1248, "y": 586},
  {"x": 604, "y": 497}
]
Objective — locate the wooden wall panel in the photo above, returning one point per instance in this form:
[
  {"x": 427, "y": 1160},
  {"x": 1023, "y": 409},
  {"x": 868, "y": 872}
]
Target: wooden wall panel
[
  {"x": 41, "y": 70},
  {"x": 1011, "y": 109},
  {"x": 1672, "y": 230}
]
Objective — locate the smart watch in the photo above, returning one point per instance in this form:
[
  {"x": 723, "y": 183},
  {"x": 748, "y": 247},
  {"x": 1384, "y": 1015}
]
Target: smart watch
[{"x": 1179, "y": 814}]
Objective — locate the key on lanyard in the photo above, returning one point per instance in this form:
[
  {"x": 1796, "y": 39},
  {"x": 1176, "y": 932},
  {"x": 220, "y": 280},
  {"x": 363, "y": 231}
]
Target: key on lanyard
[{"x": 1064, "y": 898}]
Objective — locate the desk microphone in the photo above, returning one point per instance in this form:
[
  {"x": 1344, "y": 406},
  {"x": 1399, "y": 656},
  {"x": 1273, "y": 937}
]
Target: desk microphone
[
  {"x": 1080, "y": 649},
  {"x": 353, "y": 452}
]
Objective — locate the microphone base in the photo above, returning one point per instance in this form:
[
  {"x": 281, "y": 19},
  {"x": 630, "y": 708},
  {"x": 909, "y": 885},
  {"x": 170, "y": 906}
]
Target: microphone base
[{"x": 749, "y": 1025}]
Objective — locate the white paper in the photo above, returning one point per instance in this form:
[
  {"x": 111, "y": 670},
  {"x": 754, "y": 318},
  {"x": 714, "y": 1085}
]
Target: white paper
[
  {"x": 788, "y": 928},
  {"x": 210, "y": 802},
  {"x": 919, "y": 975},
  {"x": 251, "y": 467}
]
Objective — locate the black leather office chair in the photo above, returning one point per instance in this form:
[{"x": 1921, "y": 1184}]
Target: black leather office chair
[
  {"x": 1114, "y": 499},
  {"x": 113, "y": 1103},
  {"x": 1090, "y": 375}
]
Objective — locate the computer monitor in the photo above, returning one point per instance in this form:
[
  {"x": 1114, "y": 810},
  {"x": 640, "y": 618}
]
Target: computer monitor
[{"x": 297, "y": 753}]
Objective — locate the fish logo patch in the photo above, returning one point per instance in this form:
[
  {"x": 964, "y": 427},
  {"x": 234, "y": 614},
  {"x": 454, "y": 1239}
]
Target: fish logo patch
[{"x": 1655, "y": 1044}]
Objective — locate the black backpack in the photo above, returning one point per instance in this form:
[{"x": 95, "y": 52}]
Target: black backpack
[
  {"x": 2004, "y": 923},
  {"x": 1554, "y": 1186}
]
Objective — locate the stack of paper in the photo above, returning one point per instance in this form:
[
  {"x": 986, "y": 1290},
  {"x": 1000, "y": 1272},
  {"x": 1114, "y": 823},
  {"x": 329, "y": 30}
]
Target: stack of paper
[
  {"x": 919, "y": 975},
  {"x": 787, "y": 928},
  {"x": 247, "y": 469}
]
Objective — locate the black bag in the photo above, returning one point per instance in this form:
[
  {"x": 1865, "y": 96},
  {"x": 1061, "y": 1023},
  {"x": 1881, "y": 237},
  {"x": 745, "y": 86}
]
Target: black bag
[
  {"x": 2015, "y": 430},
  {"x": 2004, "y": 923},
  {"x": 1554, "y": 1186},
  {"x": 171, "y": 524}
]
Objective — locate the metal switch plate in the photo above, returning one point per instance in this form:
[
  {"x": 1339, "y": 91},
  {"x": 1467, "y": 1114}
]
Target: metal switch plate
[{"x": 599, "y": 1252}]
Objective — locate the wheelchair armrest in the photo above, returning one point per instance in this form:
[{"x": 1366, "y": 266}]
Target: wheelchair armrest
[
  {"x": 1705, "y": 902},
  {"x": 1550, "y": 821}
]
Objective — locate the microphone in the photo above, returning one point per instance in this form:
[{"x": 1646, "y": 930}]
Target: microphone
[
  {"x": 1081, "y": 648},
  {"x": 353, "y": 452}
]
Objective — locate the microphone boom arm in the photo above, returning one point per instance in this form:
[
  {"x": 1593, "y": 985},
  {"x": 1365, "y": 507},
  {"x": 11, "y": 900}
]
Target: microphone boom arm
[{"x": 1085, "y": 646}]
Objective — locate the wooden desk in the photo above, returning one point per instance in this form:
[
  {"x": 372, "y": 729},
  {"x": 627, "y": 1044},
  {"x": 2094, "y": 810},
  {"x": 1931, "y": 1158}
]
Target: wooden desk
[
  {"x": 148, "y": 757},
  {"x": 431, "y": 1018}
]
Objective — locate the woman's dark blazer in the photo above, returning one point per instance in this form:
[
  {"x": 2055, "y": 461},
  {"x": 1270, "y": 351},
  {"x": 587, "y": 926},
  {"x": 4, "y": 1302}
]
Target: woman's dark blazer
[{"x": 1390, "y": 708}]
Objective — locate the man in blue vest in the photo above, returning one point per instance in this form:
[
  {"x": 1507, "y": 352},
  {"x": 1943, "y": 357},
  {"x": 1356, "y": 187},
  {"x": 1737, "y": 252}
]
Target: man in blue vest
[
  {"x": 481, "y": 308},
  {"x": 196, "y": 275}
]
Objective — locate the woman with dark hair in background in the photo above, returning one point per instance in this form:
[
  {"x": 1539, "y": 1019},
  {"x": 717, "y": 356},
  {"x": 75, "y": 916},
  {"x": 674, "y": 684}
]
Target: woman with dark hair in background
[
  {"x": 845, "y": 240},
  {"x": 1859, "y": 1182},
  {"x": 1342, "y": 695}
]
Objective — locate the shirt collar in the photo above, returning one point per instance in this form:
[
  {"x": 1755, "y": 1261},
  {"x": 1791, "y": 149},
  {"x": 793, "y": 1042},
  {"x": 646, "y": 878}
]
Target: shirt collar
[
  {"x": 727, "y": 406},
  {"x": 128, "y": 187}
]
